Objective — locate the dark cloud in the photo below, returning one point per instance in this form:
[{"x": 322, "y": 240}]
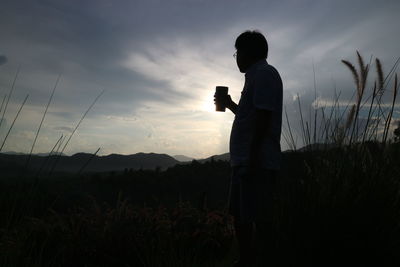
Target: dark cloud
[
  {"x": 85, "y": 42},
  {"x": 3, "y": 59},
  {"x": 97, "y": 35},
  {"x": 88, "y": 41}
]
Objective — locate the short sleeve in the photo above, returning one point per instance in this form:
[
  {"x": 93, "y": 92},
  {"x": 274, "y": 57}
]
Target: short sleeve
[{"x": 266, "y": 90}]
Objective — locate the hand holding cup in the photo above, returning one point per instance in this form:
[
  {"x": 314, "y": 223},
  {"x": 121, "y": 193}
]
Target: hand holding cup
[{"x": 221, "y": 98}]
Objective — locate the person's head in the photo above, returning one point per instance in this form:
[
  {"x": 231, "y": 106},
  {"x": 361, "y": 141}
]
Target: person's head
[{"x": 251, "y": 46}]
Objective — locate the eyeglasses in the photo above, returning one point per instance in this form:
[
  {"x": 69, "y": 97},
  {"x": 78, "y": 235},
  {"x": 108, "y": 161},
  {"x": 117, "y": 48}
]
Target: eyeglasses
[{"x": 235, "y": 55}]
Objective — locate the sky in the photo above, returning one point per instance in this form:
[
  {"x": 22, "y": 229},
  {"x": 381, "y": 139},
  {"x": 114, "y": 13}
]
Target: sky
[{"x": 158, "y": 63}]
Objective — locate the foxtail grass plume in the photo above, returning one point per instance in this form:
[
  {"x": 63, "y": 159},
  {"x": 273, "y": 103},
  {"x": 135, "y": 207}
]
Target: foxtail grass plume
[
  {"x": 350, "y": 117},
  {"x": 379, "y": 71}
]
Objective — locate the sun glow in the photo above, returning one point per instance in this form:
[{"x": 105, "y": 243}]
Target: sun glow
[{"x": 208, "y": 102}]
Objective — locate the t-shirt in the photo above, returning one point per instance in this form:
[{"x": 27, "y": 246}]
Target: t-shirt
[{"x": 262, "y": 90}]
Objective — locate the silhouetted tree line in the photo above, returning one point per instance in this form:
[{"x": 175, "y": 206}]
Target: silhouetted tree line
[{"x": 196, "y": 182}]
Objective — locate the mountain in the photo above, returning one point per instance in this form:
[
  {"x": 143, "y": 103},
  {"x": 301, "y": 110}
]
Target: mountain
[
  {"x": 20, "y": 153},
  {"x": 182, "y": 158},
  {"x": 223, "y": 157},
  {"x": 13, "y": 153},
  {"x": 87, "y": 162},
  {"x": 46, "y": 154},
  {"x": 12, "y": 162}
]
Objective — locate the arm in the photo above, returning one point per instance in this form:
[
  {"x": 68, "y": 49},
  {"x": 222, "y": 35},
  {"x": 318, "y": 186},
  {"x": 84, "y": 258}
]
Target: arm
[
  {"x": 261, "y": 131},
  {"x": 266, "y": 96},
  {"x": 232, "y": 105}
]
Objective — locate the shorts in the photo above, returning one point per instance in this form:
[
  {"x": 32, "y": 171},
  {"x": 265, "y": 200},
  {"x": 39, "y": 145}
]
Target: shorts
[{"x": 252, "y": 195}]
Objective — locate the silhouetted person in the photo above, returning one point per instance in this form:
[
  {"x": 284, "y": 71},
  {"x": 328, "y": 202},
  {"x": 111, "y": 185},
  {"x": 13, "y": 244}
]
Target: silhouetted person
[{"x": 254, "y": 142}]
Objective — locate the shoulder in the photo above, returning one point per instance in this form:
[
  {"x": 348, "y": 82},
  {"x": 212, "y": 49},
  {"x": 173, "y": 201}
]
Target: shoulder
[
  {"x": 267, "y": 69},
  {"x": 267, "y": 73}
]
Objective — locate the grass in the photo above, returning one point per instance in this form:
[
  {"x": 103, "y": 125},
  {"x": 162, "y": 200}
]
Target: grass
[
  {"x": 344, "y": 207},
  {"x": 123, "y": 235}
]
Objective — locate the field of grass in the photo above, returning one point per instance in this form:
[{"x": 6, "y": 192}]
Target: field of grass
[{"x": 337, "y": 202}]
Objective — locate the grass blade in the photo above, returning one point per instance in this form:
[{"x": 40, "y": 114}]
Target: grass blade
[
  {"x": 9, "y": 95},
  {"x": 76, "y": 127},
  {"x": 12, "y": 124},
  {"x": 88, "y": 161},
  {"x": 41, "y": 122}
]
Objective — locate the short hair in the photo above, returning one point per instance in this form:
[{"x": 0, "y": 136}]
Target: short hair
[{"x": 253, "y": 43}]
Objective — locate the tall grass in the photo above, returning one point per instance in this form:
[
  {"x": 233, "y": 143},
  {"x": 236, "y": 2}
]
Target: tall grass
[
  {"x": 13, "y": 122},
  {"x": 342, "y": 126},
  {"x": 41, "y": 122},
  {"x": 73, "y": 132},
  {"x": 343, "y": 208},
  {"x": 15, "y": 205},
  {"x": 8, "y": 96}
]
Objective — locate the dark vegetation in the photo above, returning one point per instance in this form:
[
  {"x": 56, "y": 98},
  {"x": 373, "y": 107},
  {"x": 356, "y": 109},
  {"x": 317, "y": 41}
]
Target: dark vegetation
[
  {"x": 129, "y": 218},
  {"x": 327, "y": 212}
]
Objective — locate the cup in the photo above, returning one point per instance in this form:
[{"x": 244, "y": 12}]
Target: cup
[{"x": 220, "y": 92}]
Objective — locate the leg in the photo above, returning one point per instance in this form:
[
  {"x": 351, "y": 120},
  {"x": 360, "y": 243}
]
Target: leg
[
  {"x": 245, "y": 224},
  {"x": 244, "y": 229},
  {"x": 245, "y": 233},
  {"x": 265, "y": 238}
]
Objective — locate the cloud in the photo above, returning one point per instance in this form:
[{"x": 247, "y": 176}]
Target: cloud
[
  {"x": 187, "y": 70},
  {"x": 64, "y": 129},
  {"x": 3, "y": 60},
  {"x": 159, "y": 62}
]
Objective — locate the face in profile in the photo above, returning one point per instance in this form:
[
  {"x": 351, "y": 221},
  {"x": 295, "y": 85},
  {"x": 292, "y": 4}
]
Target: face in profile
[{"x": 244, "y": 60}]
